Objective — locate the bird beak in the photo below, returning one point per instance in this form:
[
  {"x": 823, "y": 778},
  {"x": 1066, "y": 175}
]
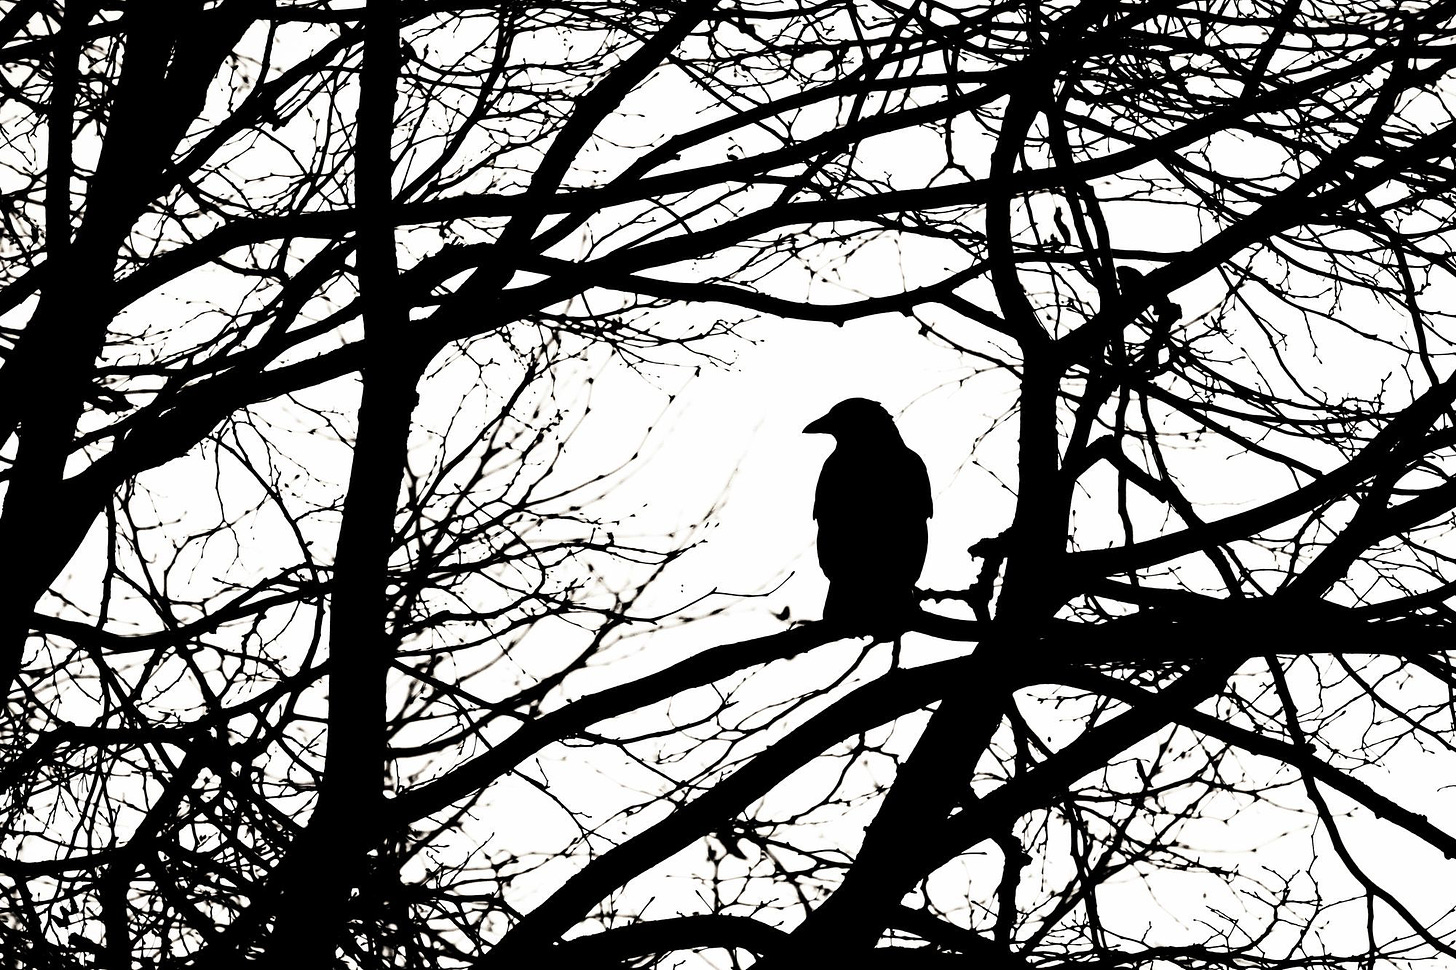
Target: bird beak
[{"x": 818, "y": 426}]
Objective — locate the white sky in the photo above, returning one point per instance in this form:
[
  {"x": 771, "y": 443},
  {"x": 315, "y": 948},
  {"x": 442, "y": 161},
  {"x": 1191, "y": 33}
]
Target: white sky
[{"x": 733, "y": 440}]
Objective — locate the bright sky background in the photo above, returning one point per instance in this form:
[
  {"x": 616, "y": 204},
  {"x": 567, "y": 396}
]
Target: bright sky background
[{"x": 729, "y": 453}]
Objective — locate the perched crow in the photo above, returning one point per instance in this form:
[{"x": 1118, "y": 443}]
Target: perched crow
[{"x": 871, "y": 505}]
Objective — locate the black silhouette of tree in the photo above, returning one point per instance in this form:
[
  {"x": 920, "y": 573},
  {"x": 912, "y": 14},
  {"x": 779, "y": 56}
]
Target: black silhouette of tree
[{"x": 320, "y": 644}]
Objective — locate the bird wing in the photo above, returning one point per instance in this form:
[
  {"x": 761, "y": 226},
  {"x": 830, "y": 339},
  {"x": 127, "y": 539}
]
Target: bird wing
[
  {"x": 871, "y": 506},
  {"x": 897, "y": 479},
  {"x": 916, "y": 485}
]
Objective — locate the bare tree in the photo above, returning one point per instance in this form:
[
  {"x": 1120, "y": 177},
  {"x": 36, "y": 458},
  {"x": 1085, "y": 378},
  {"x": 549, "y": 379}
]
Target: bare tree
[{"x": 321, "y": 647}]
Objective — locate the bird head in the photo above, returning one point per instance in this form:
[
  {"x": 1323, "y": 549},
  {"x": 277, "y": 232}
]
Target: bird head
[{"x": 855, "y": 419}]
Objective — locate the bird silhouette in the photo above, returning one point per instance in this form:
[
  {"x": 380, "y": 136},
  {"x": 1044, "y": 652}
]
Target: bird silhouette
[{"x": 872, "y": 503}]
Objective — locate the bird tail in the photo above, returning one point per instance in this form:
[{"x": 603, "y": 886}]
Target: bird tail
[{"x": 870, "y": 609}]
